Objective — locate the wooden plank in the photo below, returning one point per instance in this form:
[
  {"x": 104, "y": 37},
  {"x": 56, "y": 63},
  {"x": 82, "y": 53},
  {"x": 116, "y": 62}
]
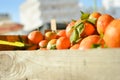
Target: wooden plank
[{"x": 94, "y": 64}]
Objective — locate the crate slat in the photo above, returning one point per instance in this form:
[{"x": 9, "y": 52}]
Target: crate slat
[{"x": 94, "y": 64}]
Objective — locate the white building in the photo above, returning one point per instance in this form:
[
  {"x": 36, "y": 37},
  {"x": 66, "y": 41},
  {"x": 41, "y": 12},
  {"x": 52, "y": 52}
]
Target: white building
[
  {"x": 34, "y": 13},
  {"x": 112, "y": 7}
]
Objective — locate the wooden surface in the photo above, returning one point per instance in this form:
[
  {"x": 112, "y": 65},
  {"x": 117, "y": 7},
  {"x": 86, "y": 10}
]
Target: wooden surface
[{"x": 95, "y": 64}]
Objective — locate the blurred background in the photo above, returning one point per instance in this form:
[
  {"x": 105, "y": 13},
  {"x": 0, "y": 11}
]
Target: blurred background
[{"x": 19, "y": 17}]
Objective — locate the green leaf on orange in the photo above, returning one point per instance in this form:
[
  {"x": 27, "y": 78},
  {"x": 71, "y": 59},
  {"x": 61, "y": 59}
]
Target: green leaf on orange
[
  {"x": 96, "y": 46},
  {"x": 101, "y": 35},
  {"x": 80, "y": 29},
  {"x": 78, "y": 40},
  {"x": 92, "y": 20},
  {"x": 53, "y": 47},
  {"x": 74, "y": 37}
]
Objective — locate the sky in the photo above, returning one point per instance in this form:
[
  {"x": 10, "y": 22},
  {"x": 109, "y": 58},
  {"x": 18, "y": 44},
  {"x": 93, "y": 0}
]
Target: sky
[
  {"x": 89, "y": 3},
  {"x": 12, "y": 7}
]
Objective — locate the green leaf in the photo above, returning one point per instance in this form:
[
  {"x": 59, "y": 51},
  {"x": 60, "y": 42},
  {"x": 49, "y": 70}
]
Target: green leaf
[
  {"x": 81, "y": 12},
  {"x": 53, "y": 47},
  {"x": 92, "y": 20},
  {"x": 73, "y": 20},
  {"x": 96, "y": 46},
  {"x": 84, "y": 15},
  {"x": 74, "y": 37},
  {"x": 105, "y": 46},
  {"x": 101, "y": 35},
  {"x": 78, "y": 40},
  {"x": 77, "y": 25},
  {"x": 80, "y": 28}
]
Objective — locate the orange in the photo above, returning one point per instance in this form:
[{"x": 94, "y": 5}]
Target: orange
[
  {"x": 63, "y": 43},
  {"x": 43, "y": 43},
  {"x": 69, "y": 28},
  {"x": 50, "y": 35},
  {"x": 87, "y": 42},
  {"x": 103, "y": 22},
  {"x": 51, "y": 44},
  {"x": 75, "y": 46},
  {"x": 95, "y": 15},
  {"x": 33, "y": 47},
  {"x": 112, "y": 34},
  {"x": 89, "y": 29},
  {"x": 43, "y": 49},
  {"x": 62, "y": 33},
  {"x": 35, "y": 37}
]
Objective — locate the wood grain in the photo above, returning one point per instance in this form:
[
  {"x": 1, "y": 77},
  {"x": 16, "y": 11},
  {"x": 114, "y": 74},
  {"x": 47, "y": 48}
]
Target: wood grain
[{"x": 94, "y": 64}]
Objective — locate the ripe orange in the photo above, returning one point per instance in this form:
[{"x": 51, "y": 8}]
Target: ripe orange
[
  {"x": 87, "y": 42},
  {"x": 62, "y": 33},
  {"x": 33, "y": 47},
  {"x": 74, "y": 47},
  {"x": 63, "y": 43},
  {"x": 69, "y": 29},
  {"x": 35, "y": 37},
  {"x": 95, "y": 15},
  {"x": 43, "y": 49},
  {"x": 89, "y": 29},
  {"x": 51, "y": 44},
  {"x": 103, "y": 22},
  {"x": 112, "y": 34},
  {"x": 43, "y": 43},
  {"x": 50, "y": 35}
]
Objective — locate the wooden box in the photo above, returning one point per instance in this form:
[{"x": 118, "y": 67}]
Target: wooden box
[
  {"x": 93, "y": 64},
  {"x": 12, "y": 38}
]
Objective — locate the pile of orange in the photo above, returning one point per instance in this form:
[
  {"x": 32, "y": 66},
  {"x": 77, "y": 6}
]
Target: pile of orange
[{"x": 91, "y": 30}]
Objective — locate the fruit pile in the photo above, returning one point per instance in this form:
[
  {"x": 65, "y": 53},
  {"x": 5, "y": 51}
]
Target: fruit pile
[{"x": 91, "y": 30}]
